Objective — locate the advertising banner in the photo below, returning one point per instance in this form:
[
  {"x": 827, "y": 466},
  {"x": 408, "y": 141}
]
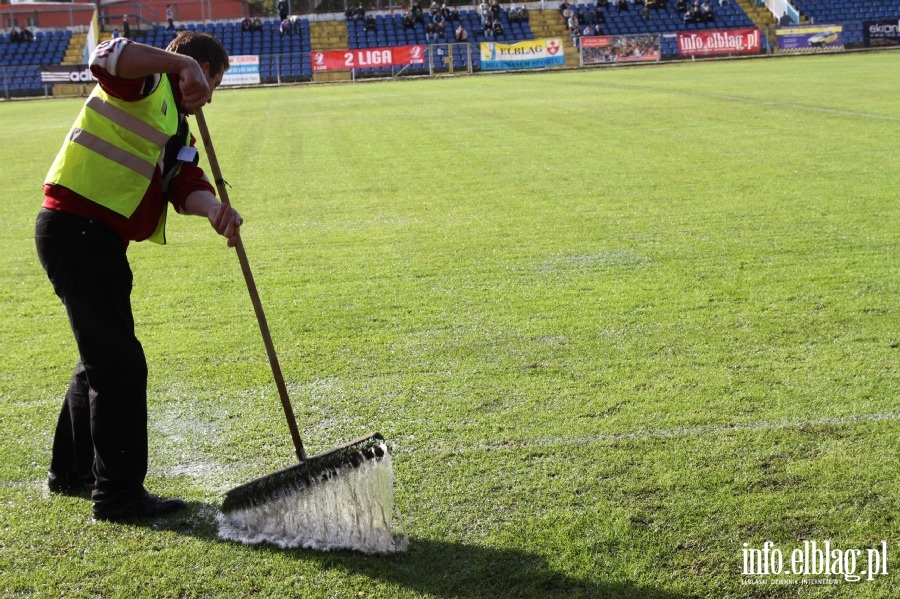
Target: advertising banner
[
  {"x": 66, "y": 73},
  {"x": 244, "y": 71},
  {"x": 810, "y": 38},
  {"x": 362, "y": 58},
  {"x": 599, "y": 49},
  {"x": 881, "y": 33},
  {"x": 530, "y": 54},
  {"x": 716, "y": 42}
]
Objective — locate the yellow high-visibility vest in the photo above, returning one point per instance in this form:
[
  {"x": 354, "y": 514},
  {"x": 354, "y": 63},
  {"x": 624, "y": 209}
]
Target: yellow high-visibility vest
[{"x": 112, "y": 151}]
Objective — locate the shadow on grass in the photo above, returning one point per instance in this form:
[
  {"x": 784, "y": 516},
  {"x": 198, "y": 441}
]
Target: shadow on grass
[
  {"x": 445, "y": 569},
  {"x": 454, "y": 570}
]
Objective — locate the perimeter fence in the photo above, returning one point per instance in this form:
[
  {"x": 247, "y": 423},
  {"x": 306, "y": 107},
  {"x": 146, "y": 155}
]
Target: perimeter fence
[{"x": 34, "y": 71}]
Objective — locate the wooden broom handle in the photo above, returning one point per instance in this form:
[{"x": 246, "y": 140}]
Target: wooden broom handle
[{"x": 254, "y": 294}]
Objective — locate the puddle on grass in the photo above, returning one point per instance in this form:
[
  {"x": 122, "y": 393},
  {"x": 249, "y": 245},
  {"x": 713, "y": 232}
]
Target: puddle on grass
[
  {"x": 188, "y": 435},
  {"x": 196, "y": 470}
]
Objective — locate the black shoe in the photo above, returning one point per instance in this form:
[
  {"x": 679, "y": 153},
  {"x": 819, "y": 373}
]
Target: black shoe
[
  {"x": 145, "y": 506},
  {"x": 69, "y": 484}
]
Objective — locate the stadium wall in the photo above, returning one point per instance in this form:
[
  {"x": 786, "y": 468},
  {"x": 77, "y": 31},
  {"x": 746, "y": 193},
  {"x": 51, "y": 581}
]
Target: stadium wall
[{"x": 76, "y": 14}]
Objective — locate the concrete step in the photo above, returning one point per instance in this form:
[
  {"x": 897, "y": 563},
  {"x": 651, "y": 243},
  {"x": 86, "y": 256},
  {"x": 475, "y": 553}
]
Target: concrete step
[
  {"x": 328, "y": 35},
  {"x": 332, "y": 76}
]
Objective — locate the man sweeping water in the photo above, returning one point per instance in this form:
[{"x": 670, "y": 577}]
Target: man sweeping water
[
  {"x": 129, "y": 154},
  {"x": 127, "y": 157}
]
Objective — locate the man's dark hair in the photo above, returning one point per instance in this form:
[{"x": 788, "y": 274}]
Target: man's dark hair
[{"x": 202, "y": 47}]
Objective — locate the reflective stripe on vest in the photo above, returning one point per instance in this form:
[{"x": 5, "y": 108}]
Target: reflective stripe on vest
[
  {"x": 121, "y": 157},
  {"x": 128, "y": 121},
  {"x": 112, "y": 152}
]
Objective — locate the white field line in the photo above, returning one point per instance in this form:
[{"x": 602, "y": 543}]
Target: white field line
[
  {"x": 213, "y": 473},
  {"x": 759, "y": 102},
  {"x": 698, "y": 431},
  {"x": 834, "y": 111}
]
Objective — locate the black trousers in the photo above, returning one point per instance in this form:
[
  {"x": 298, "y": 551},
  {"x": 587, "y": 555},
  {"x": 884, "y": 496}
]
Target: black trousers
[{"x": 103, "y": 423}]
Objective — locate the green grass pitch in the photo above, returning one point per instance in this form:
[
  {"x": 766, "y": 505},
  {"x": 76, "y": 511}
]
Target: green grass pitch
[{"x": 619, "y": 326}]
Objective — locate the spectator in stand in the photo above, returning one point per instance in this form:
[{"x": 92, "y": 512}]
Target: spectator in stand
[
  {"x": 348, "y": 14},
  {"x": 14, "y": 36},
  {"x": 461, "y": 34},
  {"x": 296, "y": 23},
  {"x": 418, "y": 13},
  {"x": 409, "y": 21},
  {"x": 285, "y": 28},
  {"x": 257, "y": 25},
  {"x": 489, "y": 30},
  {"x": 622, "y": 5},
  {"x": 572, "y": 24},
  {"x": 434, "y": 9},
  {"x": 484, "y": 10},
  {"x": 282, "y": 10},
  {"x": 598, "y": 15},
  {"x": 440, "y": 25},
  {"x": 445, "y": 12},
  {"x": 706, "y": 12},
  {"x": 430, "y": 33},
  {"x": 246, "y": 25},
  {"x": 575, "y": 32},
  {"x": 370, "y": 23},
  {"x": 126, "y": 27},
  {"x": 170, "y": 16},
  {"x": 681, "y": 6},
  {"x": 688, "y": 17},
  {"x": 26, "y": 35},
  {"x": 567, "y": 13},
  {"x": 360, "y": 13},
  {"x": 497, "y": 27},
  {"x": 454, "y": 13},
  {"x": 518, "y": 14},
  {"x": 495, "y": 10}
]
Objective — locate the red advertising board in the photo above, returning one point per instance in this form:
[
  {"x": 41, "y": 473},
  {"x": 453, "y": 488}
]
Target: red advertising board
[
  {"x": 719, "y": 41},
  {"x": 364, "y": 58}
]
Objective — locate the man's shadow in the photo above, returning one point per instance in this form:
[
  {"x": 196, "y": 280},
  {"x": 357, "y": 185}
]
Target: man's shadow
[{"x": 445, "y": 569}]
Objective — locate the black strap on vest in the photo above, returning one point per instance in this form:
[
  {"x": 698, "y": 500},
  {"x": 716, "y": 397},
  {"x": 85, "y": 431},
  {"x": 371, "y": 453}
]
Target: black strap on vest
[{"x": 171, "y": 164}]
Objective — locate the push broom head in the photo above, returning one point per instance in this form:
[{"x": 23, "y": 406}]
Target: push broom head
[{"x": 338, "y": 499}]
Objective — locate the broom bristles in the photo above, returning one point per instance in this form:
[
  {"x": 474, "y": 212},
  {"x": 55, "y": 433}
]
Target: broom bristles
[
  {"x": 309, "y": 472},
  {"x": 340, "y": 499}
]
